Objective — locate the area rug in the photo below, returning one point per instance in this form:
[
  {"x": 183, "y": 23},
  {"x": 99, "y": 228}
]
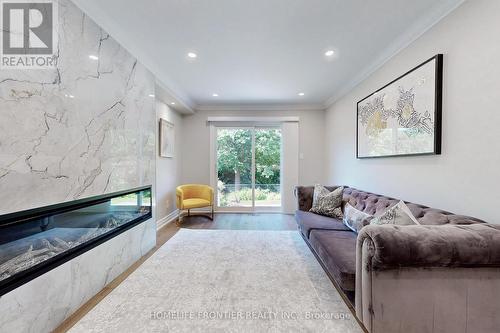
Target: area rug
[{"x": 225, "y": 281}]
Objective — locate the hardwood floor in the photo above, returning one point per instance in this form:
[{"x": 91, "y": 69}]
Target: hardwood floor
[
  {"x": 249, "y": 221},
  {"x": 241, "y": 222}
]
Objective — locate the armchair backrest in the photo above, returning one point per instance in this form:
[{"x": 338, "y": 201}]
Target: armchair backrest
[{"x": 199, "y": 191}]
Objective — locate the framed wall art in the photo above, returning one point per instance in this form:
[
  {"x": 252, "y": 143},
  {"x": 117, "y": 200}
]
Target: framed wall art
[
  {"x": 167, "y": 138},
  {"x": 403, "y": 118}
]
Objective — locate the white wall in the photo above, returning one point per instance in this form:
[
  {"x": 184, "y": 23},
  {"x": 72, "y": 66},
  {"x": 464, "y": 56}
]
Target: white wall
[
  {"x": 290, "y": 165},
  {"x": 196, "y": 144},
  {"x": 465, "y": 178},
  {"x": 168, "y": 169}
]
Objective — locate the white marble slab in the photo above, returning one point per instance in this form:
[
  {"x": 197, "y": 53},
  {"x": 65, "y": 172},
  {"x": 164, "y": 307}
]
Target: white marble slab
[{"x": 84, "y": 128}]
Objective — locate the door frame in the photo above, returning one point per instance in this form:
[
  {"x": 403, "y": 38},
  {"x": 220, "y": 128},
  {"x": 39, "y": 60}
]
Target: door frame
[{"x": 213, "y": 168}]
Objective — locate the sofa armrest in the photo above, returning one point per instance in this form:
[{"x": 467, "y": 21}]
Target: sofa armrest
[
  {"x": 407, "y": 274},
  {"x": 304, "y": 196},
  {"x": 474, "y": 245}
]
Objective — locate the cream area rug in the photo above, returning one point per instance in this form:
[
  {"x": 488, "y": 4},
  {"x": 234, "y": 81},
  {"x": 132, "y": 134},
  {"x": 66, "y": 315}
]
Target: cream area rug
[{"x": 225, "y": 281}]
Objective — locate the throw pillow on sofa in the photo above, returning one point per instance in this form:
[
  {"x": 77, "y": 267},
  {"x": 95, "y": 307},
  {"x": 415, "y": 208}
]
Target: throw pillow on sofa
[
  {"x": 399, "y": 214},
  {"x": 327, "y": 203},
  {"x": 355, "y": 219}
]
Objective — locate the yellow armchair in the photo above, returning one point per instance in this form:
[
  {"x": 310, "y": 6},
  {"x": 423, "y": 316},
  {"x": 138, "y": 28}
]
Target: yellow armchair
[{"x": 191, "y": 196}]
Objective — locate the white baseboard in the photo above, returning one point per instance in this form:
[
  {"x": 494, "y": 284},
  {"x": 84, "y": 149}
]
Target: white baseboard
[{"x": 167, "y": 219}]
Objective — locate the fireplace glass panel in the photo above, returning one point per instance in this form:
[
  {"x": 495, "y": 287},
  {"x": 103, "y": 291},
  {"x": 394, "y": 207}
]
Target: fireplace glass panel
[{"x": 31, "y": 242}]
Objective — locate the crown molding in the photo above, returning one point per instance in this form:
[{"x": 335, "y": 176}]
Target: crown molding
[
  {"x": 412, "y": 34},
  {"x": 167, "y": 96},
  {"x": 253, "y": 119},
  {"x": 261, "y": 107}
]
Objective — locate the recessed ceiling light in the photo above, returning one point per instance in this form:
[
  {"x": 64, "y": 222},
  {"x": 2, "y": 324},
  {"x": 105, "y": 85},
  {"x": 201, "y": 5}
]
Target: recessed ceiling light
[
  {"x": 172, "y": 103},
  {"x": 93, "y": 57},
  {"x": 329, "y": 53},
  {"x": 192, "y": 55},
  {"x": 301, "y": 94},
  {"x": 151, "y": 95},
  {"x": 215, "y": 95}
]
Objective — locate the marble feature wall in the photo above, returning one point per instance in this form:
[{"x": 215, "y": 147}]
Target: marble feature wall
[
  {"x": 41, "y": 305},
  {"x": 84, "y": 128}
]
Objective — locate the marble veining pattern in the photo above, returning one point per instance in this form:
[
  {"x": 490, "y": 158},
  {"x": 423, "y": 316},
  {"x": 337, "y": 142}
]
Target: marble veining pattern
[
  {"x": 203, "y": 273},
  {"x": 84, "y": 128}
]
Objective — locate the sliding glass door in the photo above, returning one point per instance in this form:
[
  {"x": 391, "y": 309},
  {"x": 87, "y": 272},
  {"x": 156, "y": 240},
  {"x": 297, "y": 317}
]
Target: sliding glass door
[
  {"x": 248, "y": 168},
  {"x": 234, "y": 167},
  {"x": 267, "y": 151}
]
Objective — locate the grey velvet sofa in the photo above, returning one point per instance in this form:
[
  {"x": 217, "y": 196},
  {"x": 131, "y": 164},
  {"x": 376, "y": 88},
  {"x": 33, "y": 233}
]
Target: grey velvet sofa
[{"x": 440, "y": 276}]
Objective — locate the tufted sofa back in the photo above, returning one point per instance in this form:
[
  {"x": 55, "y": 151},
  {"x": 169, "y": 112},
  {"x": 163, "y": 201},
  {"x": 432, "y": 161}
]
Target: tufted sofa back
[{"x": 374, "y": 204}]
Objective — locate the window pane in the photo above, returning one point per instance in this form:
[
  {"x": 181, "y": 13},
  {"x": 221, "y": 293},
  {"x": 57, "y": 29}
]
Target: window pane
[
  {"x": 234, "y": 167},
  {"x": 268, "y": 167}
]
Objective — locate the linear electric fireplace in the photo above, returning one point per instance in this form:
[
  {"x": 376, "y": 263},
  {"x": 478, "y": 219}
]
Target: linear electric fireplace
[{"x": 35, "y": 241}]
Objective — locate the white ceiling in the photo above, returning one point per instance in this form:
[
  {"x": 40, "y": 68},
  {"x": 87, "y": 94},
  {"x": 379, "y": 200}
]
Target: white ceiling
[{"x": 257, "y": 52}]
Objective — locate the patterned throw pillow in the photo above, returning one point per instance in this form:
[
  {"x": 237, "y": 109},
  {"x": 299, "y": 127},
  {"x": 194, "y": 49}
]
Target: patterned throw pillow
[
  {"x": 399, "y": 214},
  {"x": 355, "y": 219},
  {"x": 327, "y": 203}
]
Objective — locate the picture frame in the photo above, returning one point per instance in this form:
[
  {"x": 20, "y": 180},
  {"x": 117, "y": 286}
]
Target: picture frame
[
  {"x": 166, "y": 139},
  {"x": 403, "y": 118}
]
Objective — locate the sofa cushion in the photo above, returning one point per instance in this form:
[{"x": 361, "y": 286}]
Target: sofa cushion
[
  {"x": 304, "y": 195},
  {"x": 355, "y": 219},
  {"x": 337, "y": 251},
  {"x": 327, "y": 202},
  {"x": 308, "y": 221},
  {"x": 399, "y": 214}
]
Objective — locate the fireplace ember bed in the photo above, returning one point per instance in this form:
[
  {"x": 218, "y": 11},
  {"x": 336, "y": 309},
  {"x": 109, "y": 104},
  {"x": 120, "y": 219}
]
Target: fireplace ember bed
[{"x": 34, "y": 241}]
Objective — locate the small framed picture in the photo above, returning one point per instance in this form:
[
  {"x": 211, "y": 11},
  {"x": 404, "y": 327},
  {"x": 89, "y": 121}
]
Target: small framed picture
[{"x": 167, "y": 138}]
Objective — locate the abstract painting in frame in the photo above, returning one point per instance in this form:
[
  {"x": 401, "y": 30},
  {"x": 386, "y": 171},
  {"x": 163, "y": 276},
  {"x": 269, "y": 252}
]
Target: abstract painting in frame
[
  {"x": 166, "y": 138},
  {"x": 403, "y": 118}
]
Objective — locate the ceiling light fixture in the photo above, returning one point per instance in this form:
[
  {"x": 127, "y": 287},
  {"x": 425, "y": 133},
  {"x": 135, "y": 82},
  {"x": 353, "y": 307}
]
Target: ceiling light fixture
[
  {"x": 93, "y": 57},
  {"x": 301, "y": 94},
  {"x": 215, "y": 95},
  {"x": 329, "y": 53},
  {"x": 192, "y": 55},
  {"x": 151, "y": 95},
  {"x": 172, "y": 103}
]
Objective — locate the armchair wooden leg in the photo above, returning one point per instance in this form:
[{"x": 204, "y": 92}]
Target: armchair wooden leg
[
  {"x": 189, "y": 212},
  {"x": 212, "y": 213}
]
